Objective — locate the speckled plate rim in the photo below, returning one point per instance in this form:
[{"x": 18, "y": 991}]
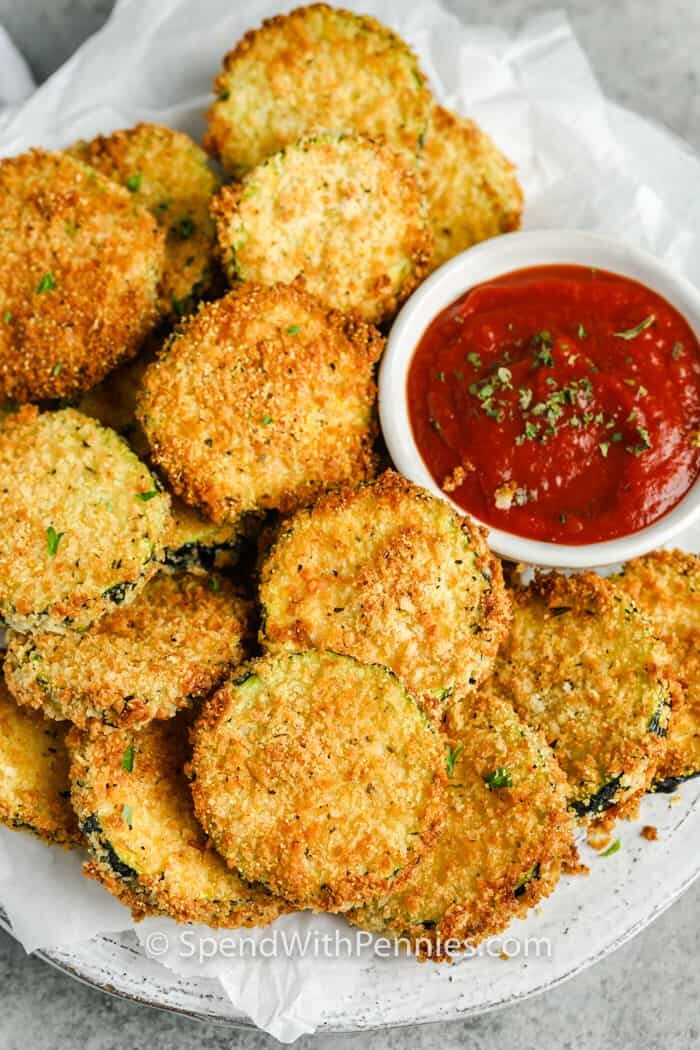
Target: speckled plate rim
[{"x": 92, "y": 963}]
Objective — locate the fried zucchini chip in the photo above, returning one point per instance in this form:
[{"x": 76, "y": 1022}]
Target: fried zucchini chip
[
  {"x": 388, "y": 573},
  {"x": 197, "y": 545},
  {"x": 316, "y": 67},
  {"x": 342, "y": 213},
  {"x": 502, "y": 846},
  {"x": 666, "y": 587},
  {"x": 34, "y": 786},
  {"x": 168, "y": 174},
  {"x": 582, "y": 666},
  {"x": 135, "y": 810},
  {"x": 318, "y": 776},
  {"x": 80, "y": 262},
  {"x": 113, "y": 401},
  {"x": 471, "y": 188},
  {"x": 82, "y": 521},
  {"x": 262, "y": 400},
  {"x": 173, "y": 645}
]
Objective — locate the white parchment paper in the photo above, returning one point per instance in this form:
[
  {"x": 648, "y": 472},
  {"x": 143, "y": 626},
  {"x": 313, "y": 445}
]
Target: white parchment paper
[{"x": 154, "y": 60}]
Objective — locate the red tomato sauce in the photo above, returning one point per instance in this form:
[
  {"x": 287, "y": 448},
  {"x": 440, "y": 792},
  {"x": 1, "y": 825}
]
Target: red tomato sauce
[{"x": 560, "y": 403}]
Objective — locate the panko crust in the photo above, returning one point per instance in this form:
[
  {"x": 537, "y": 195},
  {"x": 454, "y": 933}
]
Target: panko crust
[
  {"x": 82, "y": 521},
  {"x": 666, "y": 586},
  {"x": 173, "y": 645},
  {"x": 146, "y": 847},
  {"x": 318, "y": 776},
  {"x": 583, "y": 667},
  {"x": 197, "y": 545},
  {"x": 168, "y": 174},
  {"x": 387, "y": 573},
  {"x": 316, "y": 67},
  {"x": 471, "y": 188},
  {"x": 262, "y": 400},
  {"x": 501, "y": 849},
  {"x": 113, "y": 401},
  {"x": 34, "y": 785},
  {"x": 80, "y": 262},
  {"x": 339, "y": 212}
]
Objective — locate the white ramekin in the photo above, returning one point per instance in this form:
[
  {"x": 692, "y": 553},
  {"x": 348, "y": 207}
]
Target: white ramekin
[{"x": 485, "y": 261}]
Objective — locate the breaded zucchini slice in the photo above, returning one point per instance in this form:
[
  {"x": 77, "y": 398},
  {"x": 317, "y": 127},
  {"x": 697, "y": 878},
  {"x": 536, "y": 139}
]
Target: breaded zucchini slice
[
  {"x": 666, "y": 587},
  {"x": 582, "y": 666},
  {"x": 471, "y": 188},
  {"x": 135, "y": 810},
  {"x": 82, "y": 521},
  {"x": 502, "y": 846},
  {"x": 168, "y": 174},
  {"x": 318, "y": 776},
  {"x": 339, "y": 211},
  {"x": 113, "y": 402},
  {"x": 388, "y": 573},
  {"x": 173, "y": 645},
  {"x": 80, "y": 261},
  {"x": 34, "y": 786},
  {"x": 262, "y": 400},
  {"x": 197, "y": 545},
  {"x": 316, "y": 67}
]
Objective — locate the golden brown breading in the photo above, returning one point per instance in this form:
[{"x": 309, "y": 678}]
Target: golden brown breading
[
  {"x": 34, "y": 787},
  {"x": 318, "y": 776},
  {"x": 666, "y": 587},
  {"x": 173, "y": 645},
  {"x": 262, "y": 400},
  {"x": 339, "y": 211},
  {"x": 135, "y": 810},
  {"x": 471, "y": 188},
  {"x": 582, "y": 666},
  {"x": 169, "y": 174},
  {"x": 388, "y": 573},
  {"x": 80, "y": 262},
  {"x": 503, "y": 844},
  {"x": 82, "y": 521},
  {"x": 316, "y": 67},
  {"x": 113, "y": 401},
  {"x": 201, "y": 546}
]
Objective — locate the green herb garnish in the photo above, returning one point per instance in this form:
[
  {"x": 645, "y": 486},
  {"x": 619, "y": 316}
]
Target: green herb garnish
[
  {"x": 128, "y": 759},
  {"x": 214, "y": 583},
  {"x": 53, "y": 539},
  {"x": 46, "y": 284},
  {"x": 294, "y": 329},
  {"x": 56, "y": 370},
  {"x": 611, "y": 849},
  {"x": 604, "y": 447},
  {"x": 452, "y": 756},
  {"x": 474, "y": 359},
  {"x": 133, "y": 182},
  {"x": 7, "y": 316},
  {"x": 146, "y": 496},
  {"x": 631, "y": 333},
  {"x": 127, "y": 814},
  {"x": 500, "y": 778},
  {"x": 581, "y": 332},
  {"x": 266, "y": 420}
]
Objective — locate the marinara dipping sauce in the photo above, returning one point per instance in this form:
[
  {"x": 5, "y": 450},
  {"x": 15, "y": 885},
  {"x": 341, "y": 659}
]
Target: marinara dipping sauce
[{"x": 559, "y": 403}]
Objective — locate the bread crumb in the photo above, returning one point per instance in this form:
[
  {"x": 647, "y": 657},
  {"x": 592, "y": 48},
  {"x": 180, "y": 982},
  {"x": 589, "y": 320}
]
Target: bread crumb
[
  {"x": 650, "y": 833},
  {"x": 456, "y": 478}
]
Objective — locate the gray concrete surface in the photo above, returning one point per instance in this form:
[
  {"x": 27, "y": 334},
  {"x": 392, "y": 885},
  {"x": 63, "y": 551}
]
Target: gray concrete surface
[{"x": 645, "y": 996}]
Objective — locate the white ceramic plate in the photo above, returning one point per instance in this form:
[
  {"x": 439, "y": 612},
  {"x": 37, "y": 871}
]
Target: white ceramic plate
[{"x": 586, "y": 919}]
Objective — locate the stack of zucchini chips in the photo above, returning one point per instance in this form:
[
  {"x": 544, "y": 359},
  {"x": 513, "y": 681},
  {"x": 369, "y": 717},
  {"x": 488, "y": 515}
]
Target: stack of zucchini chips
[{"x": 247, "y": 669}]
